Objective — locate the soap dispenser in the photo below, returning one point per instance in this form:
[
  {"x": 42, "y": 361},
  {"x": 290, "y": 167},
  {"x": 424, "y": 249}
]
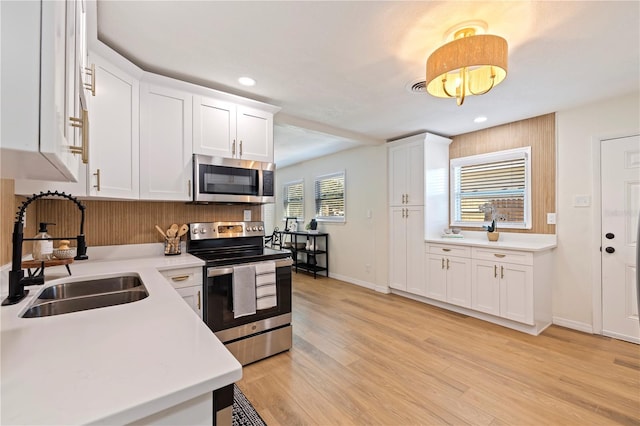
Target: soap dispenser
[{"x": 42, "y": 245}]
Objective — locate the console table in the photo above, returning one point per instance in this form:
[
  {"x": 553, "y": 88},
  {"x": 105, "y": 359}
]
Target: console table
[{"x": 308, "y": 260}]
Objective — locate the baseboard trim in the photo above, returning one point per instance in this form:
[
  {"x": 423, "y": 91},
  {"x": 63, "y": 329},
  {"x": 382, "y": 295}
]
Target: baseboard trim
[
  {"x": 574, "y": 325},
  {"x": 361, "y": 283}
]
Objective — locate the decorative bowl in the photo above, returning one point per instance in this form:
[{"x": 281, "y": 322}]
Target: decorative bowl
[
  {"x": 455, "y": 230},
  {"x": 64, "y": 253}
]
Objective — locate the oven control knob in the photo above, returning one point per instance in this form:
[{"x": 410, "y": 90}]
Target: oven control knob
[
  {"x": 195, "y": 230},
  {"x": 203, "y": 231},
  {"x": 260, "y": 228},
  {"x": 255, "y": 228}
]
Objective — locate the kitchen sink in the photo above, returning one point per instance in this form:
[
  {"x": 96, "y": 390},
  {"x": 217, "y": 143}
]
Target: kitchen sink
[
  {"x": 84, "y": 295},
  {"x": 86, "y": 288}
]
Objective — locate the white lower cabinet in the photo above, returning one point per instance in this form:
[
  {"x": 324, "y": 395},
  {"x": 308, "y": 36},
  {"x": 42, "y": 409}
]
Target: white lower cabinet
[
  {"x": 188, "y": 283},
  {"x": 448, "y": 275},
  {"x": 505, "y": 286},
  {"x": 406, "y": 268},
  {"x": 503, "y": 289}
]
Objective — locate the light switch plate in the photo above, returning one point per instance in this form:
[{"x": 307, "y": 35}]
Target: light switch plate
[
  {"x": 247, "y": 215},
  {"x": 551, "y": 218},
  {"x": 581, "y": 201}
]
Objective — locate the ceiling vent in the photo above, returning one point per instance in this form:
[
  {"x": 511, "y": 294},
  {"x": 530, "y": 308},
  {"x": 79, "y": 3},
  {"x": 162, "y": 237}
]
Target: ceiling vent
[{"x": 417, "y": 86}]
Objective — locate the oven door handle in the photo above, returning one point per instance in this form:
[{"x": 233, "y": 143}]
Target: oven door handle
[{"x": 216, "y": 272}]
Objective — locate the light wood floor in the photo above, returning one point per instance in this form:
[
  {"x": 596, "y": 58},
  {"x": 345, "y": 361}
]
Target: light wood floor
[{"x": 365, "y": 358}]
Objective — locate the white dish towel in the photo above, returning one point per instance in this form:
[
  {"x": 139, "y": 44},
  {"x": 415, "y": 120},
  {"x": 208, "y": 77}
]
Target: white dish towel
[
  {"x": 244, "y": 290},
  {"x": 266, "y": 296}
]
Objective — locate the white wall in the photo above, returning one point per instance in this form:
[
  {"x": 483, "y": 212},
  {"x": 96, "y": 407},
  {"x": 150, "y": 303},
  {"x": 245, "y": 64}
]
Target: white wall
[
  {"x": 577, "y": 254},
  {"x": 361, "y": 240}
]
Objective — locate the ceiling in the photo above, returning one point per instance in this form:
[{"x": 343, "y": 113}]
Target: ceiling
[{"x": 340, "y": 69}]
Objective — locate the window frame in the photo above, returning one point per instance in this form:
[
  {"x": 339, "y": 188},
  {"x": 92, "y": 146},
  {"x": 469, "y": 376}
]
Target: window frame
[
  {"x": 285, "y": 198},
  {"x": 331, "y": 219},
  {"x": 491, "y": 157}
]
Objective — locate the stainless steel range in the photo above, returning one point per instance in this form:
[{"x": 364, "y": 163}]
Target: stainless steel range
[{"x": 247, "y": 288}]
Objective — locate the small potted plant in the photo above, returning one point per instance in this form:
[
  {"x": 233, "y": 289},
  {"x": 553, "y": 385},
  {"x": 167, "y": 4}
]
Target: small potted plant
[{"x": 492, "y": 231}]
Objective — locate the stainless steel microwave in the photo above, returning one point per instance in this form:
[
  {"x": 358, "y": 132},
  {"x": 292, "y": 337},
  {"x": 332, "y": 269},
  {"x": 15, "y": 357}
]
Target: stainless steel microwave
[{"x": 229, "y": 180}]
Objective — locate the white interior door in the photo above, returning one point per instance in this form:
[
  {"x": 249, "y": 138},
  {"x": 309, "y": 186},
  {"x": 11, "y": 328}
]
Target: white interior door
[{"x": 620, "y": 208}]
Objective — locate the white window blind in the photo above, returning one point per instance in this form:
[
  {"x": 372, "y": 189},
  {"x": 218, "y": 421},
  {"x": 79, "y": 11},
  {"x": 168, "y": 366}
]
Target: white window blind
[
  {"x": 330, "y": 197},
  {"x": 492, "y": 186},
  {"x": 294, "y": 200}
]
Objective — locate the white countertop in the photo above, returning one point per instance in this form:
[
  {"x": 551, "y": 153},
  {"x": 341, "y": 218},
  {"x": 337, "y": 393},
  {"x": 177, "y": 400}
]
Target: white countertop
[
  {"x": 109, "y": 365},
  {"x": 507, "y": 241}
]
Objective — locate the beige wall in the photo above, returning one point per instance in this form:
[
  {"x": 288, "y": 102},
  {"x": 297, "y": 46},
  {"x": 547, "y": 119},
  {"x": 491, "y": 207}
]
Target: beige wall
[
  {"x": 538, "y": 133},
  {"x": 362, "y": 240},
  {"x": 578, "y": 252}
]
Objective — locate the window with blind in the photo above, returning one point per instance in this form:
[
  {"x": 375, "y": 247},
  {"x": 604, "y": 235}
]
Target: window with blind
[
  {"x": 330, "y": 197},
  {"x": 492, "y": 186},
  {"x": 294, "y": 200}
]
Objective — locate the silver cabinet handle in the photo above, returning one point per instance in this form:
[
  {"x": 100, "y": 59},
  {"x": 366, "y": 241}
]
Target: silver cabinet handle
[
  {"x": 233, "y": 148},
  {"x": 442, "y": 267},
  {"x": 495, "y": 271},
  {"x": 447, "y": 263},
  {"x": 499, "y": 255},
  {"x": 97, "y": 175},
  {"x": 501, "y": 271},
  {"x": 240, "y": 149}
]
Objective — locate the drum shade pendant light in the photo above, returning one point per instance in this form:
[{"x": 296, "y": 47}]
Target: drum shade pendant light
[{"x": 469, "y": 65}]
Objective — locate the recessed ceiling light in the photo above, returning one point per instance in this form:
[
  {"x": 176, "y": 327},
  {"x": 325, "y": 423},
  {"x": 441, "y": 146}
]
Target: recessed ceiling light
[
  {"x": 480, "y": 119},
  {"x": 246, "y": 81}
]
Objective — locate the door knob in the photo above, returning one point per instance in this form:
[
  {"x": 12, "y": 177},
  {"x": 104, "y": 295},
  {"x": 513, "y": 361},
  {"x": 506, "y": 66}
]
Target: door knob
[
  {"x": 609, "y": 236},
  {"x": 609, "y": 249}
]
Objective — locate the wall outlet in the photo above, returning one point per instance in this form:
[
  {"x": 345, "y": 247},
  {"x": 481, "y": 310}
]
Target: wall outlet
[
  {"x": 367, "y": 268},
  {"x": 551, "y": 218},
  {"x": 247, "y": 215}
]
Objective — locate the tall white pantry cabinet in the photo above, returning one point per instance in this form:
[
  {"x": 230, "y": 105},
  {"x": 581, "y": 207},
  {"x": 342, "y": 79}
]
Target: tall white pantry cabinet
[{"x": 410, "y": 183}]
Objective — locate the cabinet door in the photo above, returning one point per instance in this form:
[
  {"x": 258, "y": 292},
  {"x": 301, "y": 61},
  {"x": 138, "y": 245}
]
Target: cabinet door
[
  {"x": 254, "y": 134},
  {"x": 165, "y": 143},
  {"x": 415, "y": 174},
  {"x": 214, "y": 127},
  {"x": 485, "y": 287},
  {"x": 114, "y": 124},
  {"x": 398, "y": 249},
  {"x": 458, "y": 281},
  {"x": 516, "y": 292},
  {"x": 414, "y": 220},
  {"x": 193, "y": 297},
  {"x": 436, "y": 277},
  {"x": 398, "y": 164}
]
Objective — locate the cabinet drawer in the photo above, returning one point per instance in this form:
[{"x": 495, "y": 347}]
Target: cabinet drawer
[
  {"x": 449, "y": 250},
  {"x": 507, "y": 256},
  {"x": 185, "y": 277}
]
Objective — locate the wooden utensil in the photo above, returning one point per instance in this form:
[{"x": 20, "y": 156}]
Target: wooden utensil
[
  {"x": 171, "y": 233},
  {"x": 161, "y": 231},
  {"x": 183, "y": 230}
]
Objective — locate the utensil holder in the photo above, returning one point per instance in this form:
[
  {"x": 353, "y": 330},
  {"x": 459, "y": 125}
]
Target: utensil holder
[{"x": 172, "y": 246}]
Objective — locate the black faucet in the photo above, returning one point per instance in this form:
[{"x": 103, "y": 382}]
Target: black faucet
[{"x": 17, "y": 280}]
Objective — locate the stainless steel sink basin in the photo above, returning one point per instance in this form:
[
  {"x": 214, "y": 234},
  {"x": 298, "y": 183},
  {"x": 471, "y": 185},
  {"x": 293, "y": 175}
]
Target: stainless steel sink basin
[
  {"x": 86, "y": 288},
  {"x": 84, "y": 295}
]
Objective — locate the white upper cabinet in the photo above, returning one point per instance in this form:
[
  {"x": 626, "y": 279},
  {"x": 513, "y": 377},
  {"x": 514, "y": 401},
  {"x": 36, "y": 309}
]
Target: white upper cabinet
[
  {"x": 254, "y": 130},
  {"x": 165, "y": 143},
  {"x": 114, "y": 127},
  {"x": 214, "y": 127},
  {"x": 226, "y": 129},
  {"x": 41, "y": 89},
  {"x": 406, "y": 178}
]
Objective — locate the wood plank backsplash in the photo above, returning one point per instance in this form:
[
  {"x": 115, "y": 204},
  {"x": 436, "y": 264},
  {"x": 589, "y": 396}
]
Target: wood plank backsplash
[
  {"x": 540, "y": 134},
  {"x": 131, "y": 222},
  {"x": 107, "y": 222}
]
